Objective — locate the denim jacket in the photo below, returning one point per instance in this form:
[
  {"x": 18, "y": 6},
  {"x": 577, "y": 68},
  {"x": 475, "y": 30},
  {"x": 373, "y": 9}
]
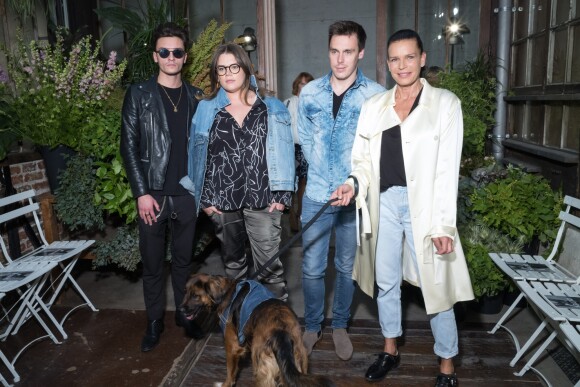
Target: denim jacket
[
  {"x": 327, "y": 142},
  {"x": 279, "y": 150}
]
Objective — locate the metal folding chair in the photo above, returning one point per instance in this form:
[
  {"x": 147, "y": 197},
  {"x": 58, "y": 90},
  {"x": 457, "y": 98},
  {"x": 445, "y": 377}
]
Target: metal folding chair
[
  {"x": 522, "y": 267},
  {"x": 31, "y": 276},
  {"x": 559, "y": 306},
  {"x": 541, "y": 280}
]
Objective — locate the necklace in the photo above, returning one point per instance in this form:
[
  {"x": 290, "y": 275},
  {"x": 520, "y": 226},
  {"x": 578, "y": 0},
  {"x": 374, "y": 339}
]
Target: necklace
[{"x": 170, "y": 100}]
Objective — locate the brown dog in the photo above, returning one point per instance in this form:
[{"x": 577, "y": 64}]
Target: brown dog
[{"x": 269, "y": 330}]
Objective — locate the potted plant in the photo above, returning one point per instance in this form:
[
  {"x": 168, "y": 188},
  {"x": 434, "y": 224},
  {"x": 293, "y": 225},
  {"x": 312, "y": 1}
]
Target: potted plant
[
  {"x": 8, "y": 137},
  {"x": 475, "y": 86},
  {"x": 520, "y": 204},
  {"x": 59, "y": 92},
  {"x": 488, "y": 281}
]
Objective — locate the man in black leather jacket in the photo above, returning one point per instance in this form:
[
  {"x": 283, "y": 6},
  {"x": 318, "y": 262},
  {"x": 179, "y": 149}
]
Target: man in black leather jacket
[{"x": 154, "y": 135}]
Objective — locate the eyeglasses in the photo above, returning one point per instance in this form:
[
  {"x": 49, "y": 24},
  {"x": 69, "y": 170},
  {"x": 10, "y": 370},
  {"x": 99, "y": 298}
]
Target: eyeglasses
[
  {"x": 178, "y": 53},
  {"x": 234, "y": 69}
]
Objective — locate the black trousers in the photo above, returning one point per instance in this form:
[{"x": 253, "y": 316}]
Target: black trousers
[
  {"x": 178, "y": 214},
  {"x": 262, "y": 228}
]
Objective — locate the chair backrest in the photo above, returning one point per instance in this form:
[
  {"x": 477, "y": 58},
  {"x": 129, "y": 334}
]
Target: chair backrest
[
  {"x": 567, "y": 219},
  {"x": 15, "y": 206},
  {"x": 567, "y": 243}
]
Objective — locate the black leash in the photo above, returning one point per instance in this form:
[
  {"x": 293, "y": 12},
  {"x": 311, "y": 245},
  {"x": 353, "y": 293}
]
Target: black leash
[{"x": 293, "y": 239}]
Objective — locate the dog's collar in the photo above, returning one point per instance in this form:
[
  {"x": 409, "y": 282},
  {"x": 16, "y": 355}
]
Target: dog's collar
[{"x": 245, "y": 305}]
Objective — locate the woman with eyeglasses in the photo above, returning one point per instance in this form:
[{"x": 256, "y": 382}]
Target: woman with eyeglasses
[{"x": 241, "y": 166}]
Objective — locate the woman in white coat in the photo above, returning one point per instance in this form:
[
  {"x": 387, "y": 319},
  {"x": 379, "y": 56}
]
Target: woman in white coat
[{"x": 405, "y": 172}]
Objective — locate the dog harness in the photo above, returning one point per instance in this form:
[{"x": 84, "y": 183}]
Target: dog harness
[{"x": 256, "y": 295}]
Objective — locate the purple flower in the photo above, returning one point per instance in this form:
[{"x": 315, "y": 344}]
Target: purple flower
[
  {"x": 112, "y": 62},
  {"x": 3, "y": 76}
]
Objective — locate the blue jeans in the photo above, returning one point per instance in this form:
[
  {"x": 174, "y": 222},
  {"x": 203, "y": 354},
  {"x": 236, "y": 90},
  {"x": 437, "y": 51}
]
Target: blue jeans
[
  {"x": 394, "y": 230},
  {"x": 315, "y": 243}
]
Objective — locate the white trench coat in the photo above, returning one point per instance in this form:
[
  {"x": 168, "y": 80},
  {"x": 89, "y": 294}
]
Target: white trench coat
[{"x": 432, "y": 138}]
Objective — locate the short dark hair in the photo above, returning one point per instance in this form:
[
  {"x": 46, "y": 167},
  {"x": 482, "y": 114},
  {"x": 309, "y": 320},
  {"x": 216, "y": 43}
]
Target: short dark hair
[
  {"x": 348, "y": 27},
  {"x": 303, "y": 75},
  {"x": 404, "y": 35},
  {"x": 167, "y": 30}
]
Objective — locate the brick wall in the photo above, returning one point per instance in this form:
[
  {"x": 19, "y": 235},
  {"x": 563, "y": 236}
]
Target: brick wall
[
  {"x": 27, "y": 172},
  {"x": 30, "y": 174}
]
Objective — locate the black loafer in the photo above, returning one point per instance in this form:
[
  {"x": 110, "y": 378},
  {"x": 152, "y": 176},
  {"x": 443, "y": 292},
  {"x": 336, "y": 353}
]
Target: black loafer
[
  {"x": 381, "y": 367},
  {"x": 444, "y": 380},
  {"x": 152, "y": 334}
]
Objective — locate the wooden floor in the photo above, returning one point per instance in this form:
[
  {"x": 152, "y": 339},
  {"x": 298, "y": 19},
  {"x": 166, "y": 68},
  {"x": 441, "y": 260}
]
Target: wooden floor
[{"x": 483, "y": 361}]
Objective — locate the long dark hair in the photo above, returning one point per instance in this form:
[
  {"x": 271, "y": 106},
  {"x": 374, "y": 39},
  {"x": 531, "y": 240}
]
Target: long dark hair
[{"x": 242, "y": 59}]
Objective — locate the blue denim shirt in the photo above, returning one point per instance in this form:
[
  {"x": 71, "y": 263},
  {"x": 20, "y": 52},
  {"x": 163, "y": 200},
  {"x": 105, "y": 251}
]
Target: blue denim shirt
[
  {"x": 279, "y": 150},
  {"x": 327, "y": 142}
]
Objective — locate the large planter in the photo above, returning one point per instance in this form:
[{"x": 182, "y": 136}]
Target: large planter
[
  {"x": 55, "y": 160},
  {"x": 489, "y": 304}
]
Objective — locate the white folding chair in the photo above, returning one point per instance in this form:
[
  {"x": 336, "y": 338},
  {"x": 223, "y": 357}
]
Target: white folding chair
[
  {"x": 30, "y": 277},
  {"x": 523, "y": 267},
  {"x": 63, "y": 253},
  {"x": 7, "y": 363},
  {"x": 558, "y": 304},
  {"x": 25, "y": 279}
]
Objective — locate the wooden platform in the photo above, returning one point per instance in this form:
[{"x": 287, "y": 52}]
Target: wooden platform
[{"x": 483, "y": 361}]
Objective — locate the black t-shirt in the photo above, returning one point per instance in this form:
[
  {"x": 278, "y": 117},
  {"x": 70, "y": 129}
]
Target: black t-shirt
[
  {"x": 178, "y": 123},
  {"x": 337, "y": 100},
  {"x": 392, "y": 162}
]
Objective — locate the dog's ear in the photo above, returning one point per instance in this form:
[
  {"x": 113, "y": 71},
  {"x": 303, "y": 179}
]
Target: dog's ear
[{"x": 215, "y": 288}]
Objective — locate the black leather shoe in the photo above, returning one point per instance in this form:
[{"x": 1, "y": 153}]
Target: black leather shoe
[
  {"x": 381, "y": 367},
  {"x": 152, "y": 334},
  {"x": 444, "y": 380},
  {"x": 178, "y": 319}
]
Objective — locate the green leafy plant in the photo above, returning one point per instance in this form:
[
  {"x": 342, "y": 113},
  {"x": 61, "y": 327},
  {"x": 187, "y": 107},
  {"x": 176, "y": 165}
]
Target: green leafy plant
[
  {"x": 475, "y": 87},
  {"x": 478, "y": 240},
  {"x": 7, "y": 117},
  {"x": 139, "y": 26},
  {"x": 521, "y": 204},
  {"x": 122, "y": 250},
  {"x": 57, "y": 91},
  {"x": 196, "y": 70},
  {"x": 74, "y": 203}
]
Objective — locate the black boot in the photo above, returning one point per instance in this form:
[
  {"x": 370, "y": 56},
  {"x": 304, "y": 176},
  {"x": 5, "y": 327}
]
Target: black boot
[{"x": 152, "y": 334}]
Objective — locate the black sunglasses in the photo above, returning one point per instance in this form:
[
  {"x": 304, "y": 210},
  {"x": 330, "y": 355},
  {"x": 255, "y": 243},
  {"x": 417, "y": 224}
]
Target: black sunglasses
[{"x": 178, "y": 53}]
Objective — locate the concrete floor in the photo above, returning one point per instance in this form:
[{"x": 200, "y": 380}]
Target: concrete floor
[{"x": 112, "y": 290}]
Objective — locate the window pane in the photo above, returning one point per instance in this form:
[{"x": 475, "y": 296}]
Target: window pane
[
  {"x": 541, "y": 15},
  {"x": 521, "y": 20},
  {"x": 519, "y": 64},
  {"x": 535, "y": 132},
  {"x": 554, "y": 129},
  {"x": 573, "y": 130},
  {"x": 516, "y": 122},
  {"x": 576, "y": 55},
  {"x": 562, "y": 11},
  {"x": 539, "y": 63},
  {"x": 560, "y": 45}
]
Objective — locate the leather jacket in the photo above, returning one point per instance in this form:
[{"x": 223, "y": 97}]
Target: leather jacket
[{"x": 145, "y": 139}]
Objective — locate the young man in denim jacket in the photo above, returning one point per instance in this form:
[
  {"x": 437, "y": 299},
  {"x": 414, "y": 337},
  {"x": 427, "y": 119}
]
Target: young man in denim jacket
[{"x": 327, "y": 118}]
